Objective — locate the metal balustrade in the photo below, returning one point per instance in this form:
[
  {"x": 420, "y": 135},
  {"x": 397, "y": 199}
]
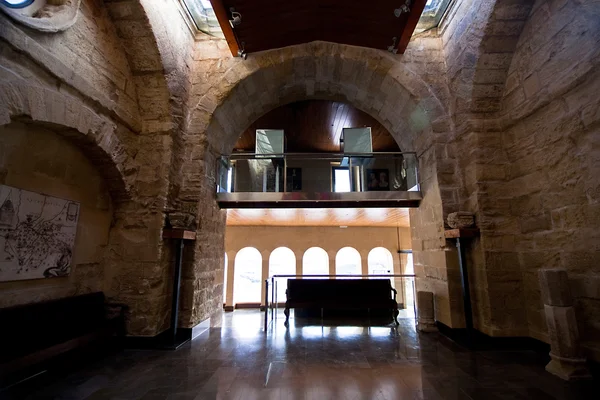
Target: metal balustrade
[{"x": 331, "y": 179}]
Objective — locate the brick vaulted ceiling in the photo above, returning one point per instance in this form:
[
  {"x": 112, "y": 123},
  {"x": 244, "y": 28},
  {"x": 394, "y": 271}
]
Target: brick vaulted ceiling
[
  {"x": 315, "y": 126},
  {"x": 269, "y": 24}
]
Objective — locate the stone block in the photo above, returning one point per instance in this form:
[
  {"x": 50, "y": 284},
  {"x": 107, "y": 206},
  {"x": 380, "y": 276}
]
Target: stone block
[
  {"x": 568, "y": 369},
  {"x": 563, "y": 331},
  {"x": 425, "y": 312},
  {"x": 555, "y": 288},
  {"x": 461, "y": 219}
]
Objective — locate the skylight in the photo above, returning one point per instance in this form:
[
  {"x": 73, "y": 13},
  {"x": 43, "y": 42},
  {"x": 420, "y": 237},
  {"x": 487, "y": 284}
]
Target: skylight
[
  {"x": 204, "y": 17},
  {"x": 16, "y": 3},
  {"x": 432, "y": 14}
]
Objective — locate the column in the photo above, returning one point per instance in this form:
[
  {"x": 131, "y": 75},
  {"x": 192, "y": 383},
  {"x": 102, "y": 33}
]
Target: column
[
  {"x": 567, "y": 361},
  {"x": 230, "y": 277},
  {"x": 425, "y": 312},
  {"x": 265, "y": 275}
]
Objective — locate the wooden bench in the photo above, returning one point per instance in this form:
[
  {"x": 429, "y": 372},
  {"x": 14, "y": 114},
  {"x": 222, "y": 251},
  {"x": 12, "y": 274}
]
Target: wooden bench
[
  {"x": 33, "y": 334},
  {"x": 341, "y": 294}
]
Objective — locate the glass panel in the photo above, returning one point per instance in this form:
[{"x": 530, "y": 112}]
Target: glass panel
[
  {"x": 432, "y": 14},
  {"x": 204, "y": 17},
  {"x": 317, "y": 173},
  {"x": 341, "y": 180}
]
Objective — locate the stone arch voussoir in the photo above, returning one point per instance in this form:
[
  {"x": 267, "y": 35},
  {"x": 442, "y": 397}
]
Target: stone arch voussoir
[
  {"x": 369, "y": 79},
  {"x": 69, "y": 117}
]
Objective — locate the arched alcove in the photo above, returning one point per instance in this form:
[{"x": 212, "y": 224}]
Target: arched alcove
[
  {"x": 348, "y": 262},
  {"x": 247, "y": 276},
  {"x": 315, "y": 261},
  {"x": 36, "y": 161},
  {"x": 282, "y": 261}
]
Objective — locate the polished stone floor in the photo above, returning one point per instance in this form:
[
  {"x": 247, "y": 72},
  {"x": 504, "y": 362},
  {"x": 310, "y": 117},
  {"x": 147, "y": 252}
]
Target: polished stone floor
[{"x": 239, "y": 361}]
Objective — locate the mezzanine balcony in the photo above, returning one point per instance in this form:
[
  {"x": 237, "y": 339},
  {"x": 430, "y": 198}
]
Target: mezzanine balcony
[{"x": 321, "y": 180}]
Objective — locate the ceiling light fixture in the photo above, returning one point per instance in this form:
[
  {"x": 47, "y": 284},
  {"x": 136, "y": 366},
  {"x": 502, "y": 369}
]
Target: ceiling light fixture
[{"x": 404, "y": 8}]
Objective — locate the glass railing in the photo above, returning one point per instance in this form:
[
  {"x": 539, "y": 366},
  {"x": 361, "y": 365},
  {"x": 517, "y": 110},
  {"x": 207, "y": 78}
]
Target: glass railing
[{"x": 317, "y": 172}]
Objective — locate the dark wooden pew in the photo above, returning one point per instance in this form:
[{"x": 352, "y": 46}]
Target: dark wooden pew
[
  {"x": 33, "y": 334},
  {"x": 341, "y": 294}
]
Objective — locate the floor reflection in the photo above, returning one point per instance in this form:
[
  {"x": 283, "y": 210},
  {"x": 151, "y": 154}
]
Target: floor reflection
[{"x": 240, "y": 361}]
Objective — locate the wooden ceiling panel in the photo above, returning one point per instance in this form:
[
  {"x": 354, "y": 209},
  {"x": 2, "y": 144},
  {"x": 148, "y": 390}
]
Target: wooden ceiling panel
[
  {"x": 379, "y": 217},
  {"x": 269, "y": 24},
  {"x": 316, "y": 126}
]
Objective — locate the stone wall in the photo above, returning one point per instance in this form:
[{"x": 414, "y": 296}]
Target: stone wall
[
  {"x": 499, "y": 103},
  {"x": 402, "y": 92},
  {"x": 91, "y": 97},
  {"x": 551, "y": 190},
  {"x": 39, "y": 160}
]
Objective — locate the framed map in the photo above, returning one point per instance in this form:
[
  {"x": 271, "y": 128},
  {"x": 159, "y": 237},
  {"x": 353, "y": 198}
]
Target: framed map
[{"x": 37, "y": 234}]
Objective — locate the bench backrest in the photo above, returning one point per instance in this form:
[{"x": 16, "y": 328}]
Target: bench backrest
[
  {"x": 51, "y": 319},
  {"x": 338, "y": 289}
]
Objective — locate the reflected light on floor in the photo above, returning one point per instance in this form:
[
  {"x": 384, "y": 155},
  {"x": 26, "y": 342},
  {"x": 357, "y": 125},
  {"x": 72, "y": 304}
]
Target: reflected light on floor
[
  {"x": 348, "y": 331},
  {"x": 311, "y": 332}
]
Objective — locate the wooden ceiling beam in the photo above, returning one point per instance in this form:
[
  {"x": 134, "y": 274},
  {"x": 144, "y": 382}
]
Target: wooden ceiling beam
[
  {"x": 413, "y": 18},
  {"x": 222, "y": 15}
]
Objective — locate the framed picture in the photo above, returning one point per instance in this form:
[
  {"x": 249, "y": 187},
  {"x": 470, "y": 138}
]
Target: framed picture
[
  {"x": 294, "y": 180},
  {"x": 378, "y": 179}
]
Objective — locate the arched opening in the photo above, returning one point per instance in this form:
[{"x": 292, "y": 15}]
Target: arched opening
[
  {"x": 282, "y": 261},
  {"x": 380, "y": 262},
  {"x": 247, "y": 276},
  {"x": 348, "y": 262},
  {"x": 315, "y": 262},
  {"x": 392, "y": 94}
]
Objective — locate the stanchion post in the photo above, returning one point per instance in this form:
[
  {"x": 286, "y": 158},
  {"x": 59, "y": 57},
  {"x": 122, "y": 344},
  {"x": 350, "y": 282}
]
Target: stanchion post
[{"x": 266, "y": 303}]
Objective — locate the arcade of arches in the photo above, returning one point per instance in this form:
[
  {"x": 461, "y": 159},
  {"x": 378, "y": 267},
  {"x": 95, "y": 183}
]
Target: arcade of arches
[
  {"x": 126, "y": 111},
  {"x": 311, "y": 250}
]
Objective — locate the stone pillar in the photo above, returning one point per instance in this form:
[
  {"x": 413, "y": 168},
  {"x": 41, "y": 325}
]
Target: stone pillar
[
  {"x": 264, "y": 276},
  {"x": 364, "y": 263},
  {"x": 230, "y": 283},
  {"x": 299, "y": 263},
  {"x": 567, "y": 361},
  {"x": 332, "y": 265},
  {"x": 425, "y": 312}
]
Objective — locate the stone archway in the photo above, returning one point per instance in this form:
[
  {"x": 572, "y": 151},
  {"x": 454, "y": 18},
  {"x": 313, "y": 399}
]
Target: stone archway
[
  {"x": 373, "y": 81},
  {"x": 69, "y": 117}
]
